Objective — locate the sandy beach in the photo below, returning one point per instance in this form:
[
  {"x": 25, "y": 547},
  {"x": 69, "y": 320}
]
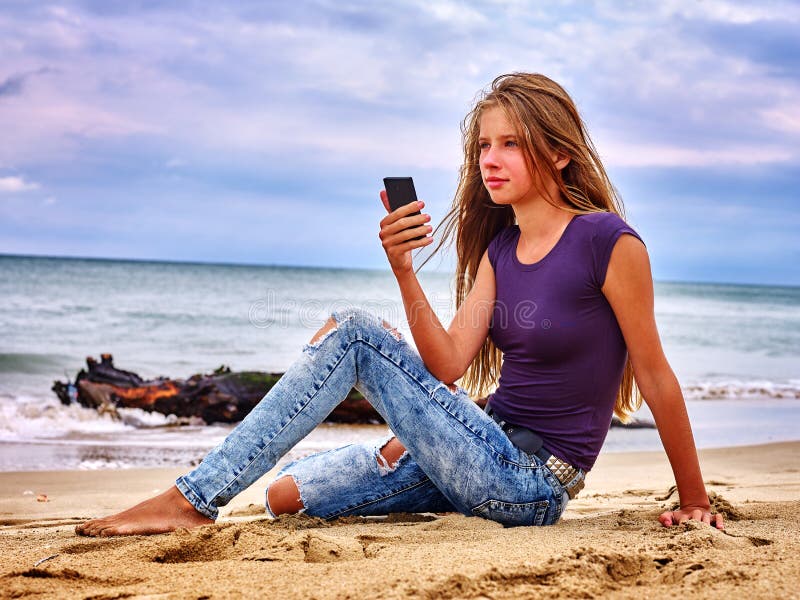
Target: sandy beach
[{"x": 608, "y": 544}]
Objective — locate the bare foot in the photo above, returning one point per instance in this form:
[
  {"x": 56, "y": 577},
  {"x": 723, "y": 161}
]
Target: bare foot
[{"x": 163, "y": 513}]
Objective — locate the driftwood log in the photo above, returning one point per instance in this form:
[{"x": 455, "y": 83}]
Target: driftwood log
[{"x": 223, "y": 396}]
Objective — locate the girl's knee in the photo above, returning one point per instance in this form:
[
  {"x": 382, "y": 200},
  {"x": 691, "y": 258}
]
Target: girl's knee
[
  {"x": 283, "y": 496},
  {"x": 390, "y": 454},
  {"x": 329, "y": 326},
  {"x": 360, "y": 319},
  {"x": 393, "y": 330},
  {"x": 338, "y": 318}
]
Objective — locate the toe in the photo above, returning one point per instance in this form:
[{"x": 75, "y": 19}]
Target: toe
[
  {"x": 84, "y": 528},
  {"x": 95, "y": 528}
]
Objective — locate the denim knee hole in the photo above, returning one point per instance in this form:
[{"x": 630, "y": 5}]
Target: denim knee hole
[
  {"x": 365, "y": 318},
  {"x": 393, "y": 330},
  {"x": 299, "y": 491},
  {"x": 315, "y": 344},
  {"x": 384, "y": 468},
  {"x": 450, "y": 387}
]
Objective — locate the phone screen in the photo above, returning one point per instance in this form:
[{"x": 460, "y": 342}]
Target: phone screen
[{"x": 400, "y": 191}]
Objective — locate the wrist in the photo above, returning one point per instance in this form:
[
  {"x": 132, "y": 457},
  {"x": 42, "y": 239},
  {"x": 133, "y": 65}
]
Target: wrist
[{"x": 700, "y": 502}]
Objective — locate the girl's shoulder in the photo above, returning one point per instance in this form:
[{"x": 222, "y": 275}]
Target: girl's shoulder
[
  {"x": 604, "y": 227},
  {"x": 601, "y": 232},
  {"x": 602, "y": 219}
]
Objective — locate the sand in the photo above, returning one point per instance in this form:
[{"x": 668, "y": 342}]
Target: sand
[{"x": 608, "y": 544}]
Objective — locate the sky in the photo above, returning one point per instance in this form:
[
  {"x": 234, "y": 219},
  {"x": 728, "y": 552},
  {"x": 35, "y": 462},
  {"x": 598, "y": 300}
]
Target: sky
[{"x": 259, "y": 132}]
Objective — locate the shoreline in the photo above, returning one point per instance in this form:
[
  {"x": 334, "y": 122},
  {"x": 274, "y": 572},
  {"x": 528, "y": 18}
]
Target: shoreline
[
  {"x": 715, "y": 424},
  {"x": 613, "y": 474},
  {"x": 608, "y": 541}
]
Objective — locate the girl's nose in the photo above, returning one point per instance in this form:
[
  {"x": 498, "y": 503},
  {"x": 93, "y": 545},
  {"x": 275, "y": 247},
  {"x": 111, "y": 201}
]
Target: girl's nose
[{"x": 489, "y": 159}]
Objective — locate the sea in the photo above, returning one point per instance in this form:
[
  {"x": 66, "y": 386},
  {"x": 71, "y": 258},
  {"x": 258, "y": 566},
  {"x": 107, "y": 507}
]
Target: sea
[{"x": 734, "y": 348}]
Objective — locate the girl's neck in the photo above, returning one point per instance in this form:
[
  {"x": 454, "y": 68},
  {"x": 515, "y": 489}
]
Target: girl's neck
[{"x": 539, "y": 220}]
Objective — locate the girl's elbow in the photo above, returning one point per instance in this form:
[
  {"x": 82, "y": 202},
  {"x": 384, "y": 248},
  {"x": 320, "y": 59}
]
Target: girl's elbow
[
  {"x": 655, "y": 379},
  {"x": 440, "y": 371},
  {"x": 449, "y": 374}
]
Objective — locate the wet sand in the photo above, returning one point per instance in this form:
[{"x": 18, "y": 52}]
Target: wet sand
[{"x": 608, "y": 544}]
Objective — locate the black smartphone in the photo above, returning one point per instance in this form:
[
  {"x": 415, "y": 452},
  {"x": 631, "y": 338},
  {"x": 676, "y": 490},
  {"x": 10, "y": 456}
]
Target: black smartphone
[{"x": 400, "y": 191}]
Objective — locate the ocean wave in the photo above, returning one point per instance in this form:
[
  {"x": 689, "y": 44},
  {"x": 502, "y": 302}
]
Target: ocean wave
[
  {"x": 745, "y": 390},
  {"x": 24, "y": 418},
  {"x": 30, "y": 363},
  {"x": 30, "y": 419}
]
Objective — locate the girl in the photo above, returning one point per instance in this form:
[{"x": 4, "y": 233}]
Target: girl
[{"x": 550, "y": 278}]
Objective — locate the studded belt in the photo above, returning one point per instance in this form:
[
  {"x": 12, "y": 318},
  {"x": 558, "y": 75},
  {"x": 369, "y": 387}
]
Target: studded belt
[{"x": 572, "y": 478}]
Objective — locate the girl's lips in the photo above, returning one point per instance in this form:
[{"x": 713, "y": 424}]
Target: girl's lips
[{"x": 494, "y": 182}]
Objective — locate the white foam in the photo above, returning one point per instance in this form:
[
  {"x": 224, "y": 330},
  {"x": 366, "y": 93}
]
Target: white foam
[
  {"x": 26, "y": 418},
  {"x": 735, "y": 389}
]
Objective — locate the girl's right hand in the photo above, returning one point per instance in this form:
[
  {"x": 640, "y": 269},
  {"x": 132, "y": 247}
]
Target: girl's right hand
[{"x": 397, "y": 240}]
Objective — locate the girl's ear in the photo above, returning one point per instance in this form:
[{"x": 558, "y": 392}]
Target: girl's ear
[{"x": 561, "y": 161}]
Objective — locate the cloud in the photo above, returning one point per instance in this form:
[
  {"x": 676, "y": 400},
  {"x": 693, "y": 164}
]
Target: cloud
[
  {"x": 342, "y": 81},
  {"x": 13, "y": 184},
  {"x": 783, "y": 118},
  {"x": 13, "y": 84},
  {"x": 454, "y": 13},
  {"x": 632, "y": 154},
  {"x": 175, "y": 162}
]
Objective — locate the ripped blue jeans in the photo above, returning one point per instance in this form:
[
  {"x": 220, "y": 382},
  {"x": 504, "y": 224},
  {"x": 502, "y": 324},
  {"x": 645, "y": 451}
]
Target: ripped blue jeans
[{"x": 457, "y": 458}]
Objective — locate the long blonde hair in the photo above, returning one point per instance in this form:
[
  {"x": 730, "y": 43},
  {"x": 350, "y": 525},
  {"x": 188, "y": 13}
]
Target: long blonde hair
[{"x": 547, "y": 121}]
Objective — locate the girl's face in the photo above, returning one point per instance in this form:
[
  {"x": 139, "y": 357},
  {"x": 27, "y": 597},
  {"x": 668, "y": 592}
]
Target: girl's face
[{"x": 503, "y": 166}]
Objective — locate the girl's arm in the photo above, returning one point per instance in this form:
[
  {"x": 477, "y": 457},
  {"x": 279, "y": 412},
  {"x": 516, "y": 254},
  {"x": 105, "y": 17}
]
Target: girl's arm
[
  {"x": 628, "y": 287},
  {"x": 446, "y": 353}
]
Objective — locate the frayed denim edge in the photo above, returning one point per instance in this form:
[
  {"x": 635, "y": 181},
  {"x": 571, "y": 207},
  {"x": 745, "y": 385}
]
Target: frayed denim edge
[{"x": 193, "y": 499}]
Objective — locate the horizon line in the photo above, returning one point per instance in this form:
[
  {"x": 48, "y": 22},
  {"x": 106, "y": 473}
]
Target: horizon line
[{"x": 319, "y": 267}]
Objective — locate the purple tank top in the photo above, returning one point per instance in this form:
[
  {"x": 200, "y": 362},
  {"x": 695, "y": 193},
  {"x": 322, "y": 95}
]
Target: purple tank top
[{"x": 563, "y": 351}]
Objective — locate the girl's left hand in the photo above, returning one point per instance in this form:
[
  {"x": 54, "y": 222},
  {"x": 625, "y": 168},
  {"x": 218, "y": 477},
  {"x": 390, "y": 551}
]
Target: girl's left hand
[{"x": 690, "y": 513}]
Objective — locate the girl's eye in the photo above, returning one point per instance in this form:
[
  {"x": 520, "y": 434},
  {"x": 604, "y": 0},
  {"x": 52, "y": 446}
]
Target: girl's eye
[
  {"x": 483, "y": 145},
  {"x": 511, "y": 144}
]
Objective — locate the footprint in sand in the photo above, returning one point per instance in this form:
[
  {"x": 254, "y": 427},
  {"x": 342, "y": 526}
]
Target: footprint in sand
[
  {"x": 320, "y": 548},
  {"x": 257, "y": 541},
  {"x": 39, "y": 582}
]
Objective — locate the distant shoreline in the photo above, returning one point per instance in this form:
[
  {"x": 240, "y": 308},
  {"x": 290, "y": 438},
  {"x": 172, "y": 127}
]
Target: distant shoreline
[{"x": 211, "y": 263}]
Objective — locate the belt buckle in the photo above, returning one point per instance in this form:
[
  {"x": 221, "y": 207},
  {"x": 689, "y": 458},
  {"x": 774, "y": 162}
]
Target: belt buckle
[{"x": 575, "y": 489}]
